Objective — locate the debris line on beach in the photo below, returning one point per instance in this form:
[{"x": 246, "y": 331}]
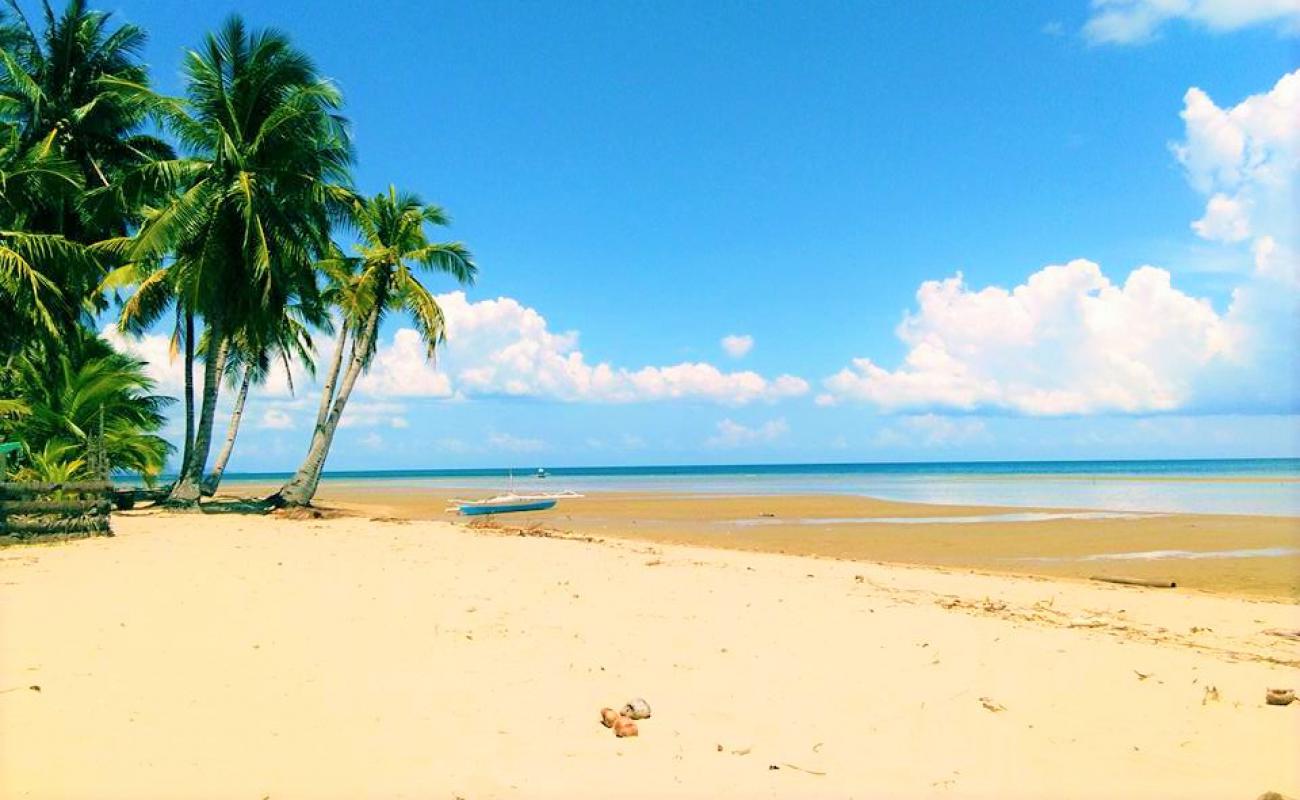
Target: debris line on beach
[{"x": 1154, "y": 583}]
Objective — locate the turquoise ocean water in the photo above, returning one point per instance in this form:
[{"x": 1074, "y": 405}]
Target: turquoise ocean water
[{"x": 1229, "y": 486}]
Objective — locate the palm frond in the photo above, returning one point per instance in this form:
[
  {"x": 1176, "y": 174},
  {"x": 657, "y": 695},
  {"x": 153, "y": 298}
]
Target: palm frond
[
  {"x": 452, "y": 258},
  {"x": 422, "y": 307}
]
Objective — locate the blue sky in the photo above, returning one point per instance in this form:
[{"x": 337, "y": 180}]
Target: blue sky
[{"x": 640, "y": 180}]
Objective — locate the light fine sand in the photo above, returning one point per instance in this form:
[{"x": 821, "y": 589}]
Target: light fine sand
[{"x": 225, "y": 656}]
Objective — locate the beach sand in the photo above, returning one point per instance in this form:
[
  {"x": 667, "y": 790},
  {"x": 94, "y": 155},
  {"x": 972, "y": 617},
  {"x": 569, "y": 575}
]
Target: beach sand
[
  {"x": 790, "y": 524},
  {"x": 230, "y": 656}
]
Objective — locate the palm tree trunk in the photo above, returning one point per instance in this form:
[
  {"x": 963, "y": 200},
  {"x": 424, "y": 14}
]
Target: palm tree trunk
[
  {"x": 188, "y": 451},
  {"x": 301, "y": 488},
  {"x": 327, "y": 391},
  {"x": 188, "y": 487},
  {"x": 213, "y": 480}
]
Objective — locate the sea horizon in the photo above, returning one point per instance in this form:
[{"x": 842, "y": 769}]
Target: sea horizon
[{"x": 1169, "y": 467}]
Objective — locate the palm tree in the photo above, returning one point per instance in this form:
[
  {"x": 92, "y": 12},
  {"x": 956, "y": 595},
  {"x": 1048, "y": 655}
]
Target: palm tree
[
  {"x": 255, "y": 203},
  {"x": 380, "y": 279},
  {"x": 67, "y": 135},
  {"x": 32, "y": 304},
  {"x": 61, "y": 88},
  {"x": 33, "y": 266}
]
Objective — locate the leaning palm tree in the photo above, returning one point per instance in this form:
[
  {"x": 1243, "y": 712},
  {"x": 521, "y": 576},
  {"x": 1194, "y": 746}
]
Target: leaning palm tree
[
  {"x": 254, "y": 203},
  {"x": 380, "y": 279}
]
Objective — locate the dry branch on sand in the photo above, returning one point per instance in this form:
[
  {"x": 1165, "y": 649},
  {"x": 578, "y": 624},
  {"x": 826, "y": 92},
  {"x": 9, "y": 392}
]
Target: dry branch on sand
[{"x": 488, "y": 523}]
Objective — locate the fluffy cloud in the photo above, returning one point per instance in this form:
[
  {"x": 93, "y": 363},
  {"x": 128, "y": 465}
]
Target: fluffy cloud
[
  {"x": 1246, "y": 161},
  {"x": 514, "y": 444},
  {"x": 501, "y": 347},
  {"x": 932, "y": 430},
  {"x": 1227, "y": 219},
  {"x": 362, "y": 414},
  {"x": 401, "y": 368},
  {"x": 1067, "y": 341},
  {"x": 731, "y": 434},
  {"x": 1134, "y": 21},
  {"x": 492, "y": 442},
  {"x": 738, "y": 345},
  {"x": 166, "y": 370},
  {"x": 275, "y": 418}
]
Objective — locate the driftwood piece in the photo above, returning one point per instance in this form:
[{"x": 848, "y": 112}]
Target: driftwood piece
[{"x": 1152, "y": 582}]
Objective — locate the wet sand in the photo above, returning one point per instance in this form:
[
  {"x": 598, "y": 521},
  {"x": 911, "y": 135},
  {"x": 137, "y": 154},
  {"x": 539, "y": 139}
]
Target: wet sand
[
  {"x": 231, "y": 656},
  {"x": 792, "y": 524}
]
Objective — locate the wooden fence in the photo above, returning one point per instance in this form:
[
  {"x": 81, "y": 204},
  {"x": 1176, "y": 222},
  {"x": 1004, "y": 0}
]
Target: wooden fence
[{"x": 43, "y": 511}]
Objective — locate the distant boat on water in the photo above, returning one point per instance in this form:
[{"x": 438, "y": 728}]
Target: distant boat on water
[{"x": 541, "y": 473}]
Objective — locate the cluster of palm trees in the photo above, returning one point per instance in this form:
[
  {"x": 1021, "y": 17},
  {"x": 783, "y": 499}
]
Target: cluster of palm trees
[{"x": 222, "y": 227}]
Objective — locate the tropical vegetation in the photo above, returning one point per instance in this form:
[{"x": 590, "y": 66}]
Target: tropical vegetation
[{"x": 221, "y": 216}]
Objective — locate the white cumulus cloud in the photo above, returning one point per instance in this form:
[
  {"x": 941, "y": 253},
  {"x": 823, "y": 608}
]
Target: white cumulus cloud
[
  {"x": 275, "y": 418},
  {"x": 168, "y": 370},
  {"x": 401, "y": 368},
  {"x": 154, "y": 349},
  {"x": 1246, "y": 161},
  {"x": 1227, "y": 219},
  {"x": 502, "y": 347},
  {"x": 1066, "y": 341},
  {"x": 1070, "y": 341},
  {"x": 933, "y": 430},
  {"x": 362, "y": 414},
  {"x": 731, "y": 434},
  {"x": 1136, "y": 21},
  {"x": 738, "y": 345},
  {"x": 514, "y": 444}
]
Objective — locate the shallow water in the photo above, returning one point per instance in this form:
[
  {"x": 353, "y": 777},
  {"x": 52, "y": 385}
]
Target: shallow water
[
  {"x": 1026, "y": 516},
  {"x": 1160, "y": 555},
  {"x": 1255, "y": 486}
]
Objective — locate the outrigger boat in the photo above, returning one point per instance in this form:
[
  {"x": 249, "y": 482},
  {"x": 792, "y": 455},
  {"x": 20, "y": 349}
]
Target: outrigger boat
[{"x": 510, "y": 503}]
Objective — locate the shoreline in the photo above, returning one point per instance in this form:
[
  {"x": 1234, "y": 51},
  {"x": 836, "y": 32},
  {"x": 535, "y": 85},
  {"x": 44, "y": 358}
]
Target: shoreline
[
  {"x": 349, "y": 657},
  {"x": 1076, "y": 548}
]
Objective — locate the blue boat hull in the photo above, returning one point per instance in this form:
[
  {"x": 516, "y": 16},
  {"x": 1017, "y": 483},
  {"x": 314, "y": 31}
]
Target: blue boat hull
[{"x": 506, "y": 508}]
